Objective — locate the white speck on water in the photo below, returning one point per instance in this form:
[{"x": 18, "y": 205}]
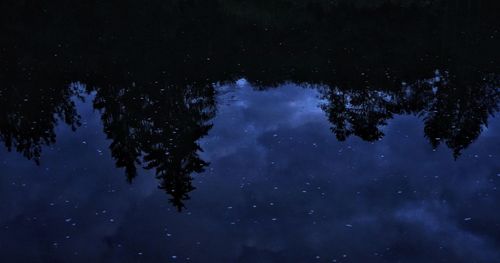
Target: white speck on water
[
  {"x": 229, "y": 207},
  {"x": 274, "y": 219},
  {"x": 111, "y": 220},
  {"x": 174, "y": 257},
  {"x": 467, "y": 219},
  {"x": 68, "y": 220},
  {"x": 348, "y": 225},
  {"x": 139, "y": 253}
]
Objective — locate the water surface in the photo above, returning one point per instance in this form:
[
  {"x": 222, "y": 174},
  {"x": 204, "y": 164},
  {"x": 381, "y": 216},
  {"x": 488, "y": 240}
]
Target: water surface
[{"x": 219, "y": 131}]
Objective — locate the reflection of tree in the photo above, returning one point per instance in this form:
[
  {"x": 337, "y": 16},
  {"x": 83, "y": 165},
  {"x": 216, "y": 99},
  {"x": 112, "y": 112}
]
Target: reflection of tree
[
  {"x": 453, "y": 115},
  {"x": 357, "y": 112},
  {"x": 456, "y": 116},
  {"x": 363, "y": 49},
  {"x": 159, "y": 128},
  {"x": 30, "y": 108}
]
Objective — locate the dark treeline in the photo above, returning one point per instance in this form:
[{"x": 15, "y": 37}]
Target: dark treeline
[
  {"x": 452, "y": 115},
  {"x": 206, "y": 41},
  {"x": 152, "y": 66}
]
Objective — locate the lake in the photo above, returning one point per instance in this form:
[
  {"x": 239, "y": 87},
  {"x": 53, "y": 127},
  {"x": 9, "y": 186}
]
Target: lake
[{"x": 229, "y": 131}]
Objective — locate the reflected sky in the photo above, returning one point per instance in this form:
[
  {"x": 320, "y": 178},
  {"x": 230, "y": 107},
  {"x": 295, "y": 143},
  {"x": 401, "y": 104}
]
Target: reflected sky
[
  {"x": 279, "y": 187},
  {"x": 249, "y": 131}
]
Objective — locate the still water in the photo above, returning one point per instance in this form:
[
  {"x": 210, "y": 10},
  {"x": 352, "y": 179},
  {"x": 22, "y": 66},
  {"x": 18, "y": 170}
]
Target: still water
[{"x": 219, "y": 131}]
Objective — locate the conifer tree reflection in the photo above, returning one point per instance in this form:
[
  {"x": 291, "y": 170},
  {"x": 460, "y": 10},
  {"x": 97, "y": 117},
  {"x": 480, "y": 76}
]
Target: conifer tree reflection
[
  {"x": 455, "y": 115},
  {"x": 160, "y": 129},
  {"x": 30, "y": 109},
  {"x": 362, "y": 50},
  {"x": 454, "y": 108},
  {"x": 358, "y": 112}
]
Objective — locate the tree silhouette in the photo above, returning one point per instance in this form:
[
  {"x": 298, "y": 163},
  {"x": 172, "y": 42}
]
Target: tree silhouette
[
  {"x": 159, "y": 128},
  {"x": 31, "y": 106},
  {"x": 454, "y": 110},
  {"x": 152, "y": 67}
]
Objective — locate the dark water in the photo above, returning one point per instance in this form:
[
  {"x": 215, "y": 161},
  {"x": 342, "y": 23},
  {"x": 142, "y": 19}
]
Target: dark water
[{"x": 256, "y": 131}]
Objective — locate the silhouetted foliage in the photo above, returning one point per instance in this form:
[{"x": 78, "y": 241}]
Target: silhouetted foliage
[
  {"x": 30, "y": 109},
  {"x": 453, "y": 115},
  {"x": 158, "y": 127},
  {"x": 152, "y": 66}
]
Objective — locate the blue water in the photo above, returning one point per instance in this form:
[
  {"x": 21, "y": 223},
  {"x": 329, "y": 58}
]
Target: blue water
[
  {"x": 249, "y": 131},
  {"x": 279, "y": 186}
]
